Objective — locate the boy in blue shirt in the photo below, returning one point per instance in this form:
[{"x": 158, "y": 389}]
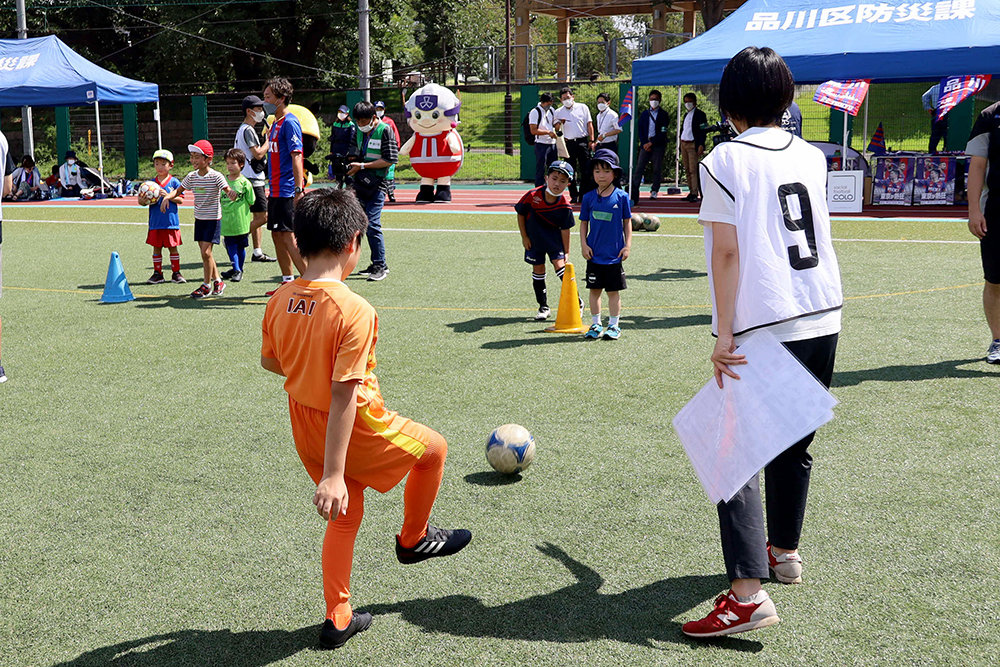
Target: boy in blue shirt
[
  {"x": 606, "y": 237},
  {"x": 164, "y": 224}
]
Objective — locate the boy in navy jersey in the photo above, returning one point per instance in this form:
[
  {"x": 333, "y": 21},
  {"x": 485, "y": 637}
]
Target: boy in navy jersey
[
  {"x": 606, "y": 237},
  {"x": 544, "y": 217}
]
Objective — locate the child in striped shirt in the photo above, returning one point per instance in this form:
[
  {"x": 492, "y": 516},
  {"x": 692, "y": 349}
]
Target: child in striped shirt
[{"x": 206, "y": 183}]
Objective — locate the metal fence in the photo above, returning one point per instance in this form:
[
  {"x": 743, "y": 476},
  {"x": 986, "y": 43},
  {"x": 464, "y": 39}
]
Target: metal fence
[{"x": 83, "y": 129}]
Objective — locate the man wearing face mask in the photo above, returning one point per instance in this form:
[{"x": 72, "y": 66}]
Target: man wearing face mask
[
  {"x": 71, "y": 176},
  {"x": 692, "y": 144},
  {"x": 578, "y": 129},
  {"x": 342, "y": 140},
  {"x": 378, "y": 148},
  {"x": 391, "y": 176},
  {"x": 255, "y": 148},
  {"x": 540, "y": 124},
  {"x": 607, "y": 125},
  {"x": 652, "y": 129}
]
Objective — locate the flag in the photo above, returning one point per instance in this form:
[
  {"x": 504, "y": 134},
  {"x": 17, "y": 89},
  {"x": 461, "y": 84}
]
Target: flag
[
  {"x": 955, "y": 89},
  {"x": 844, "y": 95},
  {"x": 626, "y": 109},
  {"x": 877, "y": 144}
]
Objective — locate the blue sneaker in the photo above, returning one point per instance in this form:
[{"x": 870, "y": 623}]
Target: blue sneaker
[
  {"x": 992, "y": 356},
  {"x": 612, "y": 333},
  {"x": 593, "y": 333}
]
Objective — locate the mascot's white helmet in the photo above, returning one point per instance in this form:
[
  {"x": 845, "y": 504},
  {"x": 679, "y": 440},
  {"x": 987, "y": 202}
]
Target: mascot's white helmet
[{"x": 433, "y": 98}]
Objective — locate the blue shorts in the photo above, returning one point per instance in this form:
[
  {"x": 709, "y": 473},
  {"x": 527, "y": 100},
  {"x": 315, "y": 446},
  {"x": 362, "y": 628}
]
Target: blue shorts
[
  {"x": 208, "y": 231},
  {"x": 543, "y": 244}
]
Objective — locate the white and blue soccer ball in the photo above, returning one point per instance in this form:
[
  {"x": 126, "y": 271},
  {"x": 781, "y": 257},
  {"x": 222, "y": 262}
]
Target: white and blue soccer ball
[{"x": 510, "y": 449}]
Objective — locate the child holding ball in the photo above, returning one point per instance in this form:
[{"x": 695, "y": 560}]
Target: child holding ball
[{"x": 164, "y": 224}]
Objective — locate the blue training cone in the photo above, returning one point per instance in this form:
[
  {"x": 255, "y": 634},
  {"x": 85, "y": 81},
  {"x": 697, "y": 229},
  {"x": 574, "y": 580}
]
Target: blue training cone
[{"x": 116, "y": 288}]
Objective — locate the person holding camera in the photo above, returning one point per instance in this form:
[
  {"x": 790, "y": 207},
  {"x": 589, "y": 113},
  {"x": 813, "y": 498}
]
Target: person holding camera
[
  {"x": 376, "y": 150},
  {"x": 341, "y": 144},
  {"x": 255, "y": 148}
]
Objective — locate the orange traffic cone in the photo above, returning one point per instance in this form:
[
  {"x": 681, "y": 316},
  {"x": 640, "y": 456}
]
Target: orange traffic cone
[{"x": 568, "y": 317}]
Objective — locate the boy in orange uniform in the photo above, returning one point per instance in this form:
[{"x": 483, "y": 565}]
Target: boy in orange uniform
[{"x": 321, "y": 337}]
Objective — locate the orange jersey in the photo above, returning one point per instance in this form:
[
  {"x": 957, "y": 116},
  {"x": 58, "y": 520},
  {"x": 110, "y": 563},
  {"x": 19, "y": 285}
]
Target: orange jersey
[{"x": 321, "y": 332}]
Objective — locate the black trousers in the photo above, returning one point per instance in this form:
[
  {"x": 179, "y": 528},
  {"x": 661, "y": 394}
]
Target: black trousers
[
  {"x": 645, "y": 157},
  {"x": 939, "y": 131},
  {"x": 786, "y": 483},
  {"x": 545, "y": 154},
  {"x": 579, "y": 156}
]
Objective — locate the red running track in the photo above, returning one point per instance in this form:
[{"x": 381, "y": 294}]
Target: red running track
[{"x": 502, "y": 201}]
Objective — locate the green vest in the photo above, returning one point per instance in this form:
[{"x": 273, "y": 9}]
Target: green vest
[{"x": 374, "y": 150}]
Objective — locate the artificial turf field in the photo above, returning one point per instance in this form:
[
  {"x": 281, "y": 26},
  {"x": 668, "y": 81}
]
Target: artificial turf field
[{"x": 154, "y": 511}]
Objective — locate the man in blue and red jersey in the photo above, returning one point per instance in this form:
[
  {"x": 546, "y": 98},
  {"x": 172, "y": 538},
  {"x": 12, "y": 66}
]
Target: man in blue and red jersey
[{"x": 285, "y": 174}]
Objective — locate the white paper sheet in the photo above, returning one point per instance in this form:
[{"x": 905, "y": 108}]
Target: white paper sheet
[{"x": 730, "y": 434}]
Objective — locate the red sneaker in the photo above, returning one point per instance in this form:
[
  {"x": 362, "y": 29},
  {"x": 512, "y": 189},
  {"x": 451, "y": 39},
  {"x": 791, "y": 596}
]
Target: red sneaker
[
  {"x": 218, "y": 287},
  {"x": 787, "y": 568},
  {"x": 271, "y": 293},
  {"x": 201, "y": 292},
  {"x": 731, "y": 616}
]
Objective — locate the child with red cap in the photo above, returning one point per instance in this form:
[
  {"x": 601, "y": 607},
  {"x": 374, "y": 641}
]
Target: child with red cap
[{"x": 206, "y": 183}]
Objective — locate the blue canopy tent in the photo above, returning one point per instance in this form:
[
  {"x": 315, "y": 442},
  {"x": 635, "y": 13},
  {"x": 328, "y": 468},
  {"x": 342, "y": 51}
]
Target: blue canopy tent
[
  {"x": 43, "y": 71},
  {"x": 827, "y": 40}
]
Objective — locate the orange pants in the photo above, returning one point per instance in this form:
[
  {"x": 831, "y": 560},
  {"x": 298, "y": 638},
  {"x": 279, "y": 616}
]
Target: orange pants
[{"x": 371, "y": 461}]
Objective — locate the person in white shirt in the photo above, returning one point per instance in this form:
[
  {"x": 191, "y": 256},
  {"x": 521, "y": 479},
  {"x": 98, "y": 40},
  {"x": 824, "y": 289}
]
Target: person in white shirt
[
  {"x": 607, "y": 125},
  {"x": 540, "y": 123},
  {"x": 255, "y": 148},
  {"x": 771, "y": 265},
  {"x": 71, "y": 176},
  {"x": 577, "y": 126},
  {"x": 692, "y": 144}
]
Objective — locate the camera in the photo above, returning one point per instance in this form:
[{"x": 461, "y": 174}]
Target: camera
[
  {"x": 721, "y": 130},
  {"x": 338, "y": 164}
]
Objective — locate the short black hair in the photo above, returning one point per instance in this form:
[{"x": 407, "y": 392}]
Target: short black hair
[
  {"x": 545, "y": 97},
  {"x": 238, "y": 155},
  {"x": 281, "y": 88},
  {"x": 607, "y": 98},
  {"x": 656, "y": 92},
  {"x": 327, "y": 220},
  {"x": 55, "y": 170},
  {"x": 28, "y": 158},
  {"x": 690, "y": 96},
  {"x": 564, "y": 90},
  {"x": 756, "y": 87},
  {"x": 363, "y": 109}
]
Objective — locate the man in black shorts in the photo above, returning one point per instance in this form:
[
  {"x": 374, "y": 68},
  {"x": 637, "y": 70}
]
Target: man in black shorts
[
  {"x": 287, "y": 177},
  {"x": 984, "y": 213},
  {"x": 255, "y": 148}
]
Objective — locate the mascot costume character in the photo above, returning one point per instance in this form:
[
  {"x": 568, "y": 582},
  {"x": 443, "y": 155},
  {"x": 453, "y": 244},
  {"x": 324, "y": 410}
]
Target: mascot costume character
[
  {"x": 310, "y": 136},
  {"x": 435, "y": 149}
]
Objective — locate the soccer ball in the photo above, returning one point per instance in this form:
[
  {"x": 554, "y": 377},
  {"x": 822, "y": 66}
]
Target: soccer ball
[
  {"x": 637, "y": 220},
  {"x": 149, "y": 192},
  {"x": 651, "y": 223},
  {"x": 510, "y": 449}
]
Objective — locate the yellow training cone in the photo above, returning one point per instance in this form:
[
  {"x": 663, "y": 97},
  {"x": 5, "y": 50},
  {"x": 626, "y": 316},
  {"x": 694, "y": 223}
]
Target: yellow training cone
[{"x": 568, "y": 317}]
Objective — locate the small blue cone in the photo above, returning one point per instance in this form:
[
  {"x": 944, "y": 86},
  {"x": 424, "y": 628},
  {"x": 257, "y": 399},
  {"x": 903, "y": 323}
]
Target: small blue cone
[{"x": 116, "y": 288}]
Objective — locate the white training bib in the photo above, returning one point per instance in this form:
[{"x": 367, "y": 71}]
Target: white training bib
[{"x": 771, "y": 186}]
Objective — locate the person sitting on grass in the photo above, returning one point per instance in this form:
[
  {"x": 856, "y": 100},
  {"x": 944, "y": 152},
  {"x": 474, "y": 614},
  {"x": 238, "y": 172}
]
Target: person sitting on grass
[
  {"x": 27, "y": 181},
  {"x": 321, "y": 336},
  {"x": 606, "y": 237},
  {"x": 206, "y": 183},
  {"x": 771, "y": 265},
  {"x": 544, "y": 217},
  {"x": 236, "y": 215},
  {"x": 164, "y": 222},
  {"x": 71, "y": 176}
]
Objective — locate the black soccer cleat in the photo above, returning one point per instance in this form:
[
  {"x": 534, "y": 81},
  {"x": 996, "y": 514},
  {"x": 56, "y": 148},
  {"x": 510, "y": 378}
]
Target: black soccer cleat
[
  {"x": 366, "y": 272},
  {"x": 436, "y": 544},
  {"x": 331, "y": 637},
  {"x": 263, "y": 258}
]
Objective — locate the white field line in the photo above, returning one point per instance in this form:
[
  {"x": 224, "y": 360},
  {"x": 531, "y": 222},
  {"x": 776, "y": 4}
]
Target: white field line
[{"x": 498, "y": 231}]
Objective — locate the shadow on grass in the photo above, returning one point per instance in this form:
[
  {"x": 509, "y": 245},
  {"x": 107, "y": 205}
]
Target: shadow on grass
[
  {"x": 480, "y": 323},
  {"x": 577, "y": 613},
  {"x": 185, "y": 302},
  {"x": 640, "y": 322},
  {"x": 668, "y": 275},
  {"x": 940, "y": 370},
  {"x": 490, "y": 478},
  {"x": 254, "y": 648}
]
